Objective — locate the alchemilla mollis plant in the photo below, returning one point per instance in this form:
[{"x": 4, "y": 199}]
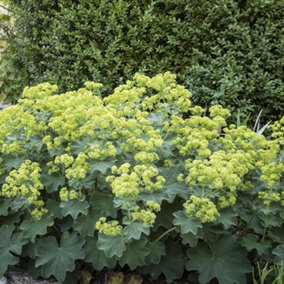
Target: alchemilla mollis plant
[{"x": 140, "y": 178}]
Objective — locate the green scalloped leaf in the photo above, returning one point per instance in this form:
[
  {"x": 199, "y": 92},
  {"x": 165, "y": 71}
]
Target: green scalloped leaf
[
  {"x": 279, "y": 252},
  {"x": 53, "y": 206},
  {"x": 19, "y": 202},
  {"x": 276, "y": 234},
  {"x": 224, "y": 260},
  {"x": 135, "y": 254},
  {"x": 212, "y": 232},
  {"x": 97, "y": 257},
  {"x": 51, "y": 182},
  {"x": 157, "y": 196},
  {"x": 135, "y": 229},
  {"x": 190, "y": 239},
  {"x": 78, "y": 145},
  {"x": 166, "y": 220},
  {"x": 32, "y": 228},
  {"x": 157, "y": 250},
  {"x": 12, "y": 218},
  {"x": 85, "y": 225},
  {"x": 57, "y": 259},
  {"x": 187, "y": 223},
  {"x": 10, "y": 244},
  {"x": 167, "y": 148},
  {"x": 251, "y": 242},
  {"x": 111, "y": 245},
  {"x": 12, "y": 161},
  {"x": 173, "y": 187},
  {"x": 35, "y": 142},
  {"x": 171, "y": 265},
  {"x": 103, "y": 202},
  {"x": 102, "y": 166},
  {"x": 5, "y": 204},
  {"x": 228, "y": 217},
  {"x": 74, "y": 207}
]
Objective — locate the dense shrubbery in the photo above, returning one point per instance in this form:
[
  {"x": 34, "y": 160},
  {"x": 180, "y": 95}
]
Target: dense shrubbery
[
  {"x": 224, "y": 52},
  {"x": 141, "y": 178}
]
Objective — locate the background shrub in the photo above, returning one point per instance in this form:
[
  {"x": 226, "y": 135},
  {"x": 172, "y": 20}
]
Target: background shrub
[{"x": 225, "y": 52}]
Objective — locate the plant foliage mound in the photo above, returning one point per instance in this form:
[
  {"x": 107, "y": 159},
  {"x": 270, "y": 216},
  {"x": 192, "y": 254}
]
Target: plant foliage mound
[
  {"x": 224, "y": 52},
  {"x": 140, "y": 179}
]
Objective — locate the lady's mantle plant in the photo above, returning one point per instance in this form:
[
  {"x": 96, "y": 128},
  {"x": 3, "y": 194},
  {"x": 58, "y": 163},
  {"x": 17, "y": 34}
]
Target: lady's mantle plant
[{"x": 139, "y": 178}]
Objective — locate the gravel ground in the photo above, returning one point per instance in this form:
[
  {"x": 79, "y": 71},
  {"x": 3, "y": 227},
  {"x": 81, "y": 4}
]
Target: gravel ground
[{"x": 15, "y": 276}]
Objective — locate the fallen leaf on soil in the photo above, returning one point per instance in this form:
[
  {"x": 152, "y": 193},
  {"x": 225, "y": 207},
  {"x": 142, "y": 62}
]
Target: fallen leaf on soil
[
  {"x": 135, "y": 279},
  {"x": 115, "y": 278}
]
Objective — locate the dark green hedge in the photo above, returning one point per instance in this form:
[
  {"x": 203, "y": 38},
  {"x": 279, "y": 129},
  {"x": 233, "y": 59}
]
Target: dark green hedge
[{"x": 224, "y": 51}]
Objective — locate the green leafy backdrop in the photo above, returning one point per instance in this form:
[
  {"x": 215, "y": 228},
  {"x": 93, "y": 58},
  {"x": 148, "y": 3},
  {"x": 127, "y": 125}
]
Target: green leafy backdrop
[{"x": 224, "y": 52}]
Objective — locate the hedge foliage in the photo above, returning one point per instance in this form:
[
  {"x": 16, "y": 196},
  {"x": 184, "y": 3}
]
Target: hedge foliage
[{"x": 227, "y": 52}]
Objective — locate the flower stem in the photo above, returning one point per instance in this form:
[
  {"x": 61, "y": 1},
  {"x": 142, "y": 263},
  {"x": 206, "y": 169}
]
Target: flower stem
[
  {"x": 29, "y": 210},
  {"x": 165, "y": 233}
]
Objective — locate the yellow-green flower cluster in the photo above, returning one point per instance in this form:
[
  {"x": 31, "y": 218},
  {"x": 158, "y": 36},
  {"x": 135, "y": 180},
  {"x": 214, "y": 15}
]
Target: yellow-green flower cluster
[
  {"x": 129, "y": 182},
  {"x": 148, "y": 177},
  {"x": 269, "y": 196},
  {"x": 146, "y": 158},
  {"x": 71, "y": 115},
  {"x": 93, "y": 86},
  {"x": 271, "y": 172},
  {"x": 79, "y": 168},
  {"x": 202, "y": 208},
  {"x": 256, "y": 152},
  {"x": 218, "y": 110},
  {"x": 108, "y": 228},
  {"x": 17, "y": 123},
  {"x": 195, "y": 133},
  {"x": 180, "y": 177},
  {"x": 227, "y": 199},
  {"x": 147, "y": 216},
  {"x": 66, "y": 194},
  {"x": 278, "y": 131},
  {"x": 40, "y": 91},
  {"x": 64, "y": 159},
  {"x": 95, "y": 151},
  {"x": 25, "y": 183},
  {"x": 168, "y": 96},
  {"x": 54, "y": 166},
  {"x": 153, "y": 205},
  {"x": 221, "y": 169}
]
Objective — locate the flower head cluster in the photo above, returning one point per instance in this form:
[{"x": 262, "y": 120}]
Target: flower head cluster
[
  {"x": 17, "y": 126},
  {"x": 202, "y": 208},
  {"x": 130, "y": 182},
  {"x": 221, "y": 169},
  {"x": 269, "y": 196},
  {"x": 25, "y": 183},
  {"x": 145, "y": 215},
  {"x": 108, "y": 228},
  {"x": 96, "y": 152},
  {"x": 79, "y": 168},
  {"x": 66, "y": 194},
  {"x": 64, "y": 159},
  {"x": 278, "y": 131},
  {"x": 126, "y": 184},
  {"x": 271, "y": 172},
  {"x": 195, "y": 134}
]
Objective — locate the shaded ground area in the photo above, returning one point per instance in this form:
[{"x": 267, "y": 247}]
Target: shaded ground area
[{"x": 16, "y": 275}]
